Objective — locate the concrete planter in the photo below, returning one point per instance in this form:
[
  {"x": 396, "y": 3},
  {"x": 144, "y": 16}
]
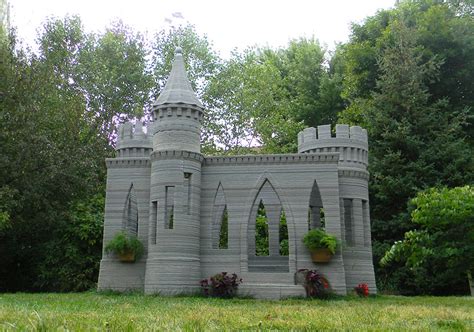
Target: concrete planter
[
  {"x": 128, "y": 257},
  {"x": 322, "y": 255}
]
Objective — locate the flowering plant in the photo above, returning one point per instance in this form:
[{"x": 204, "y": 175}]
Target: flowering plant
[
  {"x": 315, "y": 284},
  {"x": 362, "y": 290},
  {"x": 221, "y": 285}
]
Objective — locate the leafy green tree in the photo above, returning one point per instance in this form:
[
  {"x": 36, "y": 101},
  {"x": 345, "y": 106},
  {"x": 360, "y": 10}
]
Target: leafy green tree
[
  {"x": 442, "y": 246},
  {"x": 397, "y": 68},
  {"x": 265, "y": 96},
  {"x": 58, "y": 114}
]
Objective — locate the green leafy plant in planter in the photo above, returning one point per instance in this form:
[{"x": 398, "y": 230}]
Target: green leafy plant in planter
[
  {"x": 127, "y": 247},
  {"x": 321, "y": 244}
]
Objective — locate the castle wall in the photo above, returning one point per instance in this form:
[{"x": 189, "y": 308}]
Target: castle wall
[{"x": 292, "y": 177}]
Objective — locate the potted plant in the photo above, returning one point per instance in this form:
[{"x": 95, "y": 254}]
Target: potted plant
[
  {"x": 321, "y": 244},
  {"x": 127, "y": 247}
]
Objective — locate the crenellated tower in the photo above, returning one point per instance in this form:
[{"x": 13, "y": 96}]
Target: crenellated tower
[
  {"x": 173, "y": 264},
  {"x": 352, "y": 145},
  {"x": 126, "y": 204}
]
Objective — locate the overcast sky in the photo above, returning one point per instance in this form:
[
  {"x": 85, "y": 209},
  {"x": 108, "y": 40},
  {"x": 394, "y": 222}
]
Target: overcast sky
[{"x": 228, "y": 24}]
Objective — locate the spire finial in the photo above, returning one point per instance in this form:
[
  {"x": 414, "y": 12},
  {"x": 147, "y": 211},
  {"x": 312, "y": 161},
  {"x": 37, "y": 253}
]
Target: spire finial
[{"x": 178, "y": 51}]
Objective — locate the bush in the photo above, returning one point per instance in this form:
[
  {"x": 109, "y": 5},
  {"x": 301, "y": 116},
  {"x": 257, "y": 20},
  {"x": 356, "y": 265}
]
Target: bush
[
  {"x": 318, "y": 238},
  {"x": 221, "y": 285},
  {"x": 362, "y": 290},
  {"x": 123, "y": 243},
  {"x": 315, "y": 284}
]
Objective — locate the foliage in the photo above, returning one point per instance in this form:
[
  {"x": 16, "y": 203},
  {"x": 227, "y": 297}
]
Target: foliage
[
  {"x": 75, "y": 248},
  {"x": 265, "y": 96},
  {"x": 362, "y": 290},
  {"x": 221, "y": 285},
  {"x": 445, "y": 239},
  {"x": 407, "y": 78},
  {"x": 224, "y": 231},
  {"x": 318, "y": 238},
  {"x": 123, "y": 243},
  {"x": 58, "y": 112},
  {"x": 261, "y": 233}
]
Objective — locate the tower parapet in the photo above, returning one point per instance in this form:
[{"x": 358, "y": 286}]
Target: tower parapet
[
  {"x": 133, "y": 141},
  {"x": 350, "y": 142}
]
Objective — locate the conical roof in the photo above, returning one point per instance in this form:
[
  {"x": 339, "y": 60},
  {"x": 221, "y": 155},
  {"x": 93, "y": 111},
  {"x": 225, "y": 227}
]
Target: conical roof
[{"x": 177, "y": 89}]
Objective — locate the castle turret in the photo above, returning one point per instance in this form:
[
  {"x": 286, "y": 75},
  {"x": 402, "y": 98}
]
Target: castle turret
[
  {"x": 173, "y": 263},
  {"x": 352, "y": 145}
]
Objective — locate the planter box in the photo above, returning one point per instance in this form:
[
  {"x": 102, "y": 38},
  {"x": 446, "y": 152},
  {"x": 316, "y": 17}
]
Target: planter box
[
  {"x": 128, "y": 257},
  {"x": 322, "y": 255}
]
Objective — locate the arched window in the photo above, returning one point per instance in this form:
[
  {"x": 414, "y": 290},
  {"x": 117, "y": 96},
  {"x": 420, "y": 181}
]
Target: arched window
[
  {"x": 267, "y": 233},
  {"x": 316, "y": 210},
  {"x": 130, "y": 213},
  {"x": 220, "y": 223}
]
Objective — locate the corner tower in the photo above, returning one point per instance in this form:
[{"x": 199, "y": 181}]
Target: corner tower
[{"x": 173, "y": 263}]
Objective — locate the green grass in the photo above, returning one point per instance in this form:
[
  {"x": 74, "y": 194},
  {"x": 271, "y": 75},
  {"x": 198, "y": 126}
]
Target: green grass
[{"x": 97, "y": 311}]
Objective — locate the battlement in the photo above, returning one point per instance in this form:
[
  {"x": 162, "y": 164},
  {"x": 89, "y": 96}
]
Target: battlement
[
  {"x": 133, "y": 141},
  {"x": 311, "y": 134},
  {"x": 350, "y": 142}
]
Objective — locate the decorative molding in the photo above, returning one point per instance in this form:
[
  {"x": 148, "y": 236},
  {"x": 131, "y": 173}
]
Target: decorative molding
[
  {"x": 176, "y": 154},
  {"x": 350, "y": 173},
  {"x": 133, "y": 162},
  {"x": 274, "y": 159}
]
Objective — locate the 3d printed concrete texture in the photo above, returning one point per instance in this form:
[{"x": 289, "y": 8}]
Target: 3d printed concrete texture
[{"x": 161, "y": 188}]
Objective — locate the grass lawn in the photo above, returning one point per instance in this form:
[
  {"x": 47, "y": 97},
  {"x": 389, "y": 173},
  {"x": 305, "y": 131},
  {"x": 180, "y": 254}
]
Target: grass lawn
[{"x": 96, "y": 311}]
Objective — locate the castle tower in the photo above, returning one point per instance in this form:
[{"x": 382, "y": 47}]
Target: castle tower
[
  {"x": 126, "y": 205},
  {"x": 352, "y": 146},
  {"x": 173, "y": 263}
]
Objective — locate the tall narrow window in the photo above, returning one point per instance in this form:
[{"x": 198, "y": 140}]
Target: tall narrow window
[
  {"x": 154, "y": 214},
  {"x": 224, "y": 231},
  {"x": 261, "y": 232},
  {"x": 316, "y": 211},
  {"x": 187, "y": 191},
  {"x": 130, "y": 213},
  {"x": 348, "y": 222},
  {"x": 169, "y": 207},
  {"x": 365, "y": 220},
  {"x": 283, "y": 234}
]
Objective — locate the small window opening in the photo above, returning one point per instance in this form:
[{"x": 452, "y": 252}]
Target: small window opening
[
  {"x": 348, "y": 221},
  {"x": 224, "y": 231},
  {"x": 283, "y": 236},
  {"x": 169, "y": 207},
  {"x": 261, "y": 232}
]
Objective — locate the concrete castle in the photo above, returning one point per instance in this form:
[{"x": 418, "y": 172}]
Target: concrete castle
[{"x": 161, "y": 188}]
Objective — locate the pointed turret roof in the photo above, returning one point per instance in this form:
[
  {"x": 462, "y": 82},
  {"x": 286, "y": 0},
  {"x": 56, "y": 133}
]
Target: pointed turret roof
[{"x": 177, "y": 89}]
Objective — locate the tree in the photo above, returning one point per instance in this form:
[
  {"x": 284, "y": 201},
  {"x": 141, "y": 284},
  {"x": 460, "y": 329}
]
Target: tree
[
  {"x": 58, "y": 114},
  {"x": 418, "y": 135},
  {"x": 443, "y": 244},
  {"x": 266, "y": 96}
]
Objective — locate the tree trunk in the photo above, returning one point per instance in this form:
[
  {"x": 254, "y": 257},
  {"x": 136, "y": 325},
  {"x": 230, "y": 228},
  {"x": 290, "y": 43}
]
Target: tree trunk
[{"x": 471, "y": 282}]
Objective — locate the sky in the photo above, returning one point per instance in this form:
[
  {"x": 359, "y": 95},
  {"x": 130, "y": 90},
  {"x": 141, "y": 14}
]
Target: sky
[{"x": 228, "y": 24}]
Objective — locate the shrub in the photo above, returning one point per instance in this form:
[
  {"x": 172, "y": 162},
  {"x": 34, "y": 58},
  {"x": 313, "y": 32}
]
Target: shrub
[
  {"x": 221, "y": 285},
  {"x": 123, "y": 243},
  {"x": 318, "y": 238},
  {"x": 315, "y": 284}
]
